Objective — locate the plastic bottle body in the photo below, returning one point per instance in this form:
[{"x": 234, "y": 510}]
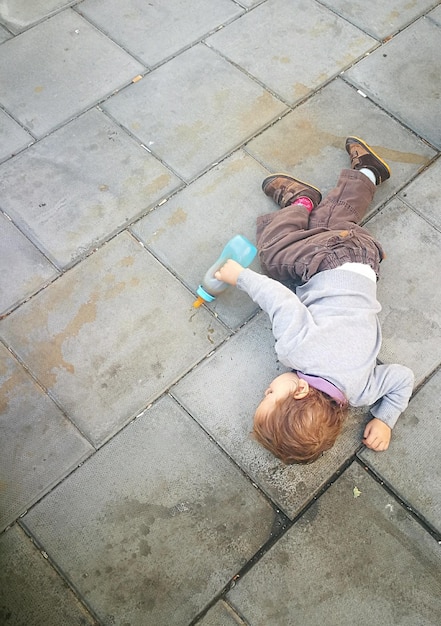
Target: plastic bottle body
[{"x": 240, "y": 249}]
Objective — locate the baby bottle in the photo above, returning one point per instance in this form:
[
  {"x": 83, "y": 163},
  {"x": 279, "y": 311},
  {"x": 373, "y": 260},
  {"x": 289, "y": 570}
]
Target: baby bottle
[{"x": 239, "y": 249}]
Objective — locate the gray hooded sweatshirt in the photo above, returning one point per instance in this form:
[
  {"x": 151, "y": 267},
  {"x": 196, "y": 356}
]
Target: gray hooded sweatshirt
[{"x": 329, "y": 328}]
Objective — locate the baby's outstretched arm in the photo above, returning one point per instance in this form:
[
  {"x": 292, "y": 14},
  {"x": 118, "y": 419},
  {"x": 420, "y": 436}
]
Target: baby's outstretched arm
[
  {"x": 229, "y": 272},
  {"x": 377, "y": 435}
]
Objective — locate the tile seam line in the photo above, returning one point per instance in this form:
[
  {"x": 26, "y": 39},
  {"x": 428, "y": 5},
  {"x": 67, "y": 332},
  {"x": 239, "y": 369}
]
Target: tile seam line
[
  {"x": 272, "y": 541},
  {"x": 407, "y": 506},
  {"x": 69, "y": 5},
  {"x": 59, "y": 571},
  {"x": 171, "y": 57},
  {"x": 26, "y": 236},
  {"x": 398, "y": 195},
  {"x": 95, "y": 103},
  {"x": 278, "y": 96},
  {"x": 388, "y": 38},
  {"x": 207, "y": 168},
  {"x": 403, "y": 196},
  {"x": 93, "y": 249},
  {"x": 394, "y": 117},
  {"x": 426, "y": 380},
  {"x": 170, "y": 270},
  {"x": 45, "y": 391},
  {"x": 106, "y": 441},
  {"x": 202, "y": 41},
  {"x": 32, "y": 137},
  {"x": 267, "y": 496}
]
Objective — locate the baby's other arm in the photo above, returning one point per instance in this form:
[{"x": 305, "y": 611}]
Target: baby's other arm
[
  {"x": 377, "y": 435},
  {"x": 393, "y": 386}
]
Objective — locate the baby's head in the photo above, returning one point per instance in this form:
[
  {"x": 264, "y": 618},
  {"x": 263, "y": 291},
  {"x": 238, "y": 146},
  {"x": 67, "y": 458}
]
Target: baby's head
[{"x": 295, "y": 421}]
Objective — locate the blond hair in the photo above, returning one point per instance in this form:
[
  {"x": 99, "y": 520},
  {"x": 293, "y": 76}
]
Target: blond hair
[{"x": 300, "y": 430}]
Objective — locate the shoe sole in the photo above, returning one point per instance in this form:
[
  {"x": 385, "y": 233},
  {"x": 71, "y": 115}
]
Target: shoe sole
[
  {"x": 369, "y": 149},
  {"x": 268, "y": 179}
]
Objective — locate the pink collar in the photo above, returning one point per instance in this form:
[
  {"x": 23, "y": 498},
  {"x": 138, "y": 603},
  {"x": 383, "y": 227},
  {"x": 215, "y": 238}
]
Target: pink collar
[{"x": 324, "y": 385}]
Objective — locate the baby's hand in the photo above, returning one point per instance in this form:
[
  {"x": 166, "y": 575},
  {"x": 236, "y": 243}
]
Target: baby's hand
[
  {"x": 229, "y": 272},
  {"x": 377, "y": 435}
]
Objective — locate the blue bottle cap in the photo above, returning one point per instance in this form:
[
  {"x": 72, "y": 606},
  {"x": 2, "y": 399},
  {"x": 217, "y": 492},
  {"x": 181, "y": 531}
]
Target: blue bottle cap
[{"x": 203, "y": 294}]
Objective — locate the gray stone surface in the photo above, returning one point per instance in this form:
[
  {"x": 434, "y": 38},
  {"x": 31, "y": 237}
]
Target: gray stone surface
[
  {"x": 380, "y": 19},
  {"x": 23, "y": 269},
  {"x": 413, "y": 460},
  {"x": 348, "y": 560},
  {"x": 409, "y": 91},
  {"x": 435, "y": 15},
  {"x": 410, "y": 317},
  {"x": 4, "y": 35},
  {"x": 62, "y": 80},
  {"x": 222, "y": 395},
  {"x": 282, "y": 52},
  {"x": 221, "y": 615},
  {"x": 310, "y": 141},
  {"x": 12, "y": 137},
  {"x": 21, "y": 14},
  {"x": 191, "y": 129},
  {"x": 102, "y": 340},
  {"x": 39, "y": 445},
  {"x": 175, "y": 523},
  {"x": 423, "y": 195},
  {"x": 77, "y": 187},
  {"x": 31, "y": 592},
  {"x": 153, "y": 32},
  {"x": 218, "y": 206},
  {"x": 134, "y": 140}
]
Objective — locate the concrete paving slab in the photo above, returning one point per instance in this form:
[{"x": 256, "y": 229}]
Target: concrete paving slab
[
  {"x": 156, "y": 32},
  {"x": 377, "y": 18},
  {"x": 23, "y": 269},
  {"x": 410, "y": 317},
  {"x": 20, "y": 14},
  {"x": 56, "y": 70},
  {"x": 310, "y": 141},
  {"x": 221, "y": 615},
  {"x": 348, "y": 560},
  {"x": 13, "y": 137},
  {"x": 411, "y": 464},
  {"x": 77, "y": 187},
  {"x": 4, "y": 35},
  {"x": 409, "y": 91},
  {"x": 423, "y": 194},
  {"x": 105, "y": 340},
  {"x": 435, "y": 15},
  {"x": 191, "y": 129},
  {"x": 189, "y": 232},
  {"x": 39, "y": 446},
  {"x": 30, "y": 590},
  {"x": 155, "y": 524},
  {"x": 292, "y": 51},
  {"x": 222, "y": 394},
  {"x": 249, "y": 4}
]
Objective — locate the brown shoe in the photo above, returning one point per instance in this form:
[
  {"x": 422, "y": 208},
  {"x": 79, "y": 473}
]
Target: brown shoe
[
  {"x": 363, "y": 156},
  {"x": 285, "y": 190}
]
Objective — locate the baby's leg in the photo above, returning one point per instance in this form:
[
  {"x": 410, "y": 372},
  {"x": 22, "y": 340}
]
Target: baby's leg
[
  {"x": 346, "y": 204},
  {"x": 349, "y": 200},
  {"x": 280, "y": 240}
]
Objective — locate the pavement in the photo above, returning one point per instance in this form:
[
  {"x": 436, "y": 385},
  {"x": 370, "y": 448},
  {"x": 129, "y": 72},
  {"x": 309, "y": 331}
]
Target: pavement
[{"x": 134, "y": 139}]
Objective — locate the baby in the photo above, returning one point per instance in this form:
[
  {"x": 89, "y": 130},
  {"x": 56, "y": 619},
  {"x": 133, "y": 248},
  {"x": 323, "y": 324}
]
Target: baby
[{"x": 327, "y": 332}]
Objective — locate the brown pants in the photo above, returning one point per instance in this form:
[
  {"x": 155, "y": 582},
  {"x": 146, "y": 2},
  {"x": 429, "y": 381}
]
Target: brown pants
[{"x": 296, "y": 244}]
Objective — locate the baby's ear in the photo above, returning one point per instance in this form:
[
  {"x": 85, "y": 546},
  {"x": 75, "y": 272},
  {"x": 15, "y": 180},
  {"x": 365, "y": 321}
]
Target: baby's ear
[{"x": 302, "y": 389}]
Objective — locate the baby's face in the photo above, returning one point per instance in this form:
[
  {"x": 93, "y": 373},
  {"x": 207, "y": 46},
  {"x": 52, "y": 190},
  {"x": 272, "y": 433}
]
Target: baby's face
[{"x": 280, "y": 388}]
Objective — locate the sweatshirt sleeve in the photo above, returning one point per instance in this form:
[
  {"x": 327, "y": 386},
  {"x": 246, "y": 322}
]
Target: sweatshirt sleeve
[
  {"x": 394, "y": 384},
  {"x": 284, "y": 308}
]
